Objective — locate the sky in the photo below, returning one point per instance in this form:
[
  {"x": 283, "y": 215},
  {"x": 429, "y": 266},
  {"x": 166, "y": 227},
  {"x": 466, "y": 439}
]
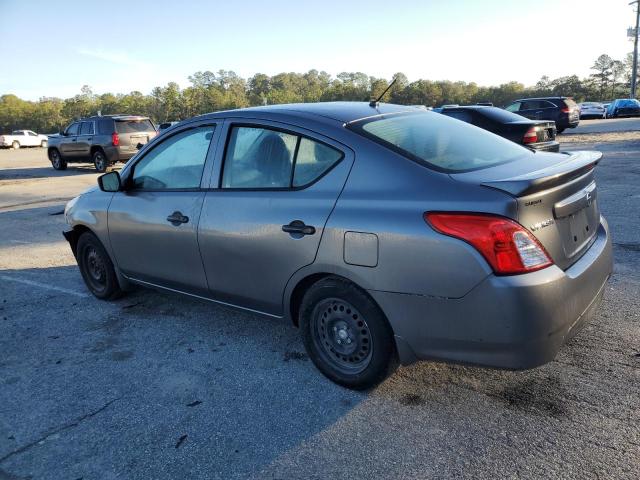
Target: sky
[{"x": 54, "y": 48}]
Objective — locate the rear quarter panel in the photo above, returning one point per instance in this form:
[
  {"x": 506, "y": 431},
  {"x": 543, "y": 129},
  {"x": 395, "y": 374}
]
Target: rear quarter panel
[{"x": 386, "y": 195}]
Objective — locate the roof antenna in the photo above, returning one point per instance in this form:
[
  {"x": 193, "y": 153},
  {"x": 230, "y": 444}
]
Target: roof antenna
[{"x": 374, "y": 103}]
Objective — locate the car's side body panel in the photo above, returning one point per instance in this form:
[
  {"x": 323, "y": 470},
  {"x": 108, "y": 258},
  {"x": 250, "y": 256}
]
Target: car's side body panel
[{"x": 247, "y": 256}]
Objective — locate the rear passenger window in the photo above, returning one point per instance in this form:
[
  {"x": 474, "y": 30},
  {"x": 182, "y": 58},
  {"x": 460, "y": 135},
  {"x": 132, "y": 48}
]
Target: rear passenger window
[
  {"x": 260, "y": 158},
  {"x": 86, "y": 128},
  {"x": 514, "y": 107},
  {"x": 175, "y": 163},
  {"x": 312, "y": 161}
]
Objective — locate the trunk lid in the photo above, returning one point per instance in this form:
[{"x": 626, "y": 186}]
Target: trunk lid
[{"x": 556, "y": 198}]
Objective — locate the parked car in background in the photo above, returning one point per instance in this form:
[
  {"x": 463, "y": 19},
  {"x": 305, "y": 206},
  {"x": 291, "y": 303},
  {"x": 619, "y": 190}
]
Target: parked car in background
[
  {"x": 23, "y": 138},
  {"x": 592, "y": 110},
  {"x": 537, "y": 134},
  {"x": 165, "y": 125},
  {"x": 103, "y": 140},
  {"x": 623, "y": 107},
  {"x": 562, "y": 110},
  {"x": 383, "y": 233}
]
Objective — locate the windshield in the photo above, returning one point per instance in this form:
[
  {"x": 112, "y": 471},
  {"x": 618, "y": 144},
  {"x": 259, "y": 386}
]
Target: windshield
[{"x": 440, "y": 142}]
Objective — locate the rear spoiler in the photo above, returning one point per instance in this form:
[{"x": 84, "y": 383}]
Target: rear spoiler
[{"x": 576, "y": 165}]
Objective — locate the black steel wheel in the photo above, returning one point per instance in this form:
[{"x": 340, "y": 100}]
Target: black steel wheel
[
  {"x": 341, "y": 335},
  {"x": 346, "y": 334},
  {"x": 96, "y": 267}
]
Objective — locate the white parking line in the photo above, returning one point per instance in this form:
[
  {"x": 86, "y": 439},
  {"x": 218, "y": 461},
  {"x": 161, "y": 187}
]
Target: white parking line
[{"x": 43, "y": 285}]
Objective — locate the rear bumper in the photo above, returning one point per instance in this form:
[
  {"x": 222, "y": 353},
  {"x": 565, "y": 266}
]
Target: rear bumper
[
  {"x": 513, "y": 322},
  {"x": 117, "y": 154},
  {"x": 546, "y": 146}
]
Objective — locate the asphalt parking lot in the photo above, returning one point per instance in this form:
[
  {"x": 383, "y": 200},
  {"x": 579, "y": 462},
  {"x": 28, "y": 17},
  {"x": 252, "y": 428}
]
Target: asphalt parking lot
[{"x": 160, "y": 386}]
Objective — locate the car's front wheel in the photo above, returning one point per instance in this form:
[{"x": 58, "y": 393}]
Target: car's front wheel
[
  {"x": 15, "y": 145},
  {"x": 96, "y": 268},
  {"x": 57, "y": 162},
  {"x": 100, "y": 161},
  {"x": 346, "y": 334}
]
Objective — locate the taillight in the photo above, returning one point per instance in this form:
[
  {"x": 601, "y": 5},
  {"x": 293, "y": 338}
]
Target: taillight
[
  {"x": 531, "y": 136},
  {"x": 565, "y": 110},
  {"x": 506, "y": 245},
  {"x": 115, "y": 139}
]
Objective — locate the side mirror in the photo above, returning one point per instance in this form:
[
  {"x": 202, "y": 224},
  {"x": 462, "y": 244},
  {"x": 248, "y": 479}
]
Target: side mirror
[{"x": 110, "y": 182}]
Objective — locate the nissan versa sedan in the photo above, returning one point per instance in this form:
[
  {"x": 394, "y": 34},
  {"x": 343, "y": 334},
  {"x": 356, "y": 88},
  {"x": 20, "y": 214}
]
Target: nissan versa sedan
[{"x": 386, "y": 233}]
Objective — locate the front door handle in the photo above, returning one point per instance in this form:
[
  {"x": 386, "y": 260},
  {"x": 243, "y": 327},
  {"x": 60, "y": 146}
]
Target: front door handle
[
  {"x": 298, "y": 227},
  {"x": 176, "y": 218}
]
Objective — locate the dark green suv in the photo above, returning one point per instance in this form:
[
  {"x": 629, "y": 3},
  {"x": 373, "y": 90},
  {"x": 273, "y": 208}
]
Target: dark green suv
[{"x": 103, "y": 140}]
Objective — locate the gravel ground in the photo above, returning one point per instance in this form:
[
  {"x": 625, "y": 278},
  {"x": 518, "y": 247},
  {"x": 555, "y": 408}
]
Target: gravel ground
[{"x": 162, "y": 386}]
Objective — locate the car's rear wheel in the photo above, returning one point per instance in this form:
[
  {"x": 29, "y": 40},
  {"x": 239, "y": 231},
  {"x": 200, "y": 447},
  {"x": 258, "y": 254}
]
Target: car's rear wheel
[
  {"x": 57, "y": 162},
  {"x": 96, "y": 268},
  {"x": 15, "y": 145},
  {"x": 346, "y": 334},
  {"x": 100, "y": 161},
  {"x": 43, "y": 144}
]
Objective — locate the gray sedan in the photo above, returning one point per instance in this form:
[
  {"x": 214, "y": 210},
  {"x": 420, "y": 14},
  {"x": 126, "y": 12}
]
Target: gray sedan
[{"x": 386, "y": 233}]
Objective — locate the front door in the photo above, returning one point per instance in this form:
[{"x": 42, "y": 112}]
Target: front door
[
  {"x": 85, "y": 138},
  {"x": 68, "y": 143},
  {"x": 153, "y": 223},
  {"x": 265, "y": 216}
]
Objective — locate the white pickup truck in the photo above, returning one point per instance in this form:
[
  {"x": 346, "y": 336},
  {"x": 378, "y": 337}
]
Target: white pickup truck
[{"x": 23, "y": 138}]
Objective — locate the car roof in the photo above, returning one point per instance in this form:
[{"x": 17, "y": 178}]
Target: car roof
[
  {"x": 541, "y": 98},
  {"x": 118, "y": 116},
  {"x": 344, "y": 112}
]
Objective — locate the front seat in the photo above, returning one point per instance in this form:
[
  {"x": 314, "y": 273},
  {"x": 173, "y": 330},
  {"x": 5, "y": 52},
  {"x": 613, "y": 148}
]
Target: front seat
[{"x": 273, "y": 162}]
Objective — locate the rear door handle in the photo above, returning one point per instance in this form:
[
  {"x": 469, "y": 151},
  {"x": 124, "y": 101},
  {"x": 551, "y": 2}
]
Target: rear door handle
[
  {"x": 176, "y": 218},
  {"x": 298, "y": 226}
]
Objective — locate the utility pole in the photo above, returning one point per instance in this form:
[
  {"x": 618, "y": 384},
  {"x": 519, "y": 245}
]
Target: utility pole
[{"x": 634, "y": 73}]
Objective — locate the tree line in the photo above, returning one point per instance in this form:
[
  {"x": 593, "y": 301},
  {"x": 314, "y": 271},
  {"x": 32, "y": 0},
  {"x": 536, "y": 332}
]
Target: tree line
[{"x": 209, "y": 91}]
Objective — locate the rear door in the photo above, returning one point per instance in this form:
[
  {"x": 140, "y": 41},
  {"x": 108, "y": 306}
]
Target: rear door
[
  {"x": 153, "y": 224},
  {"x": 265, "y": 214}
]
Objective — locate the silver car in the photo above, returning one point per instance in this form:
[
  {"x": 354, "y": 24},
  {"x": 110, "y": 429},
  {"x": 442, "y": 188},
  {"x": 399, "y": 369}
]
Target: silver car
[
  {"x": 592, "y": 110},
  {"x": 386, "y": 233}
]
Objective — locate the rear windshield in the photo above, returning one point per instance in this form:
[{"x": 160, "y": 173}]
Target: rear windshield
[
  {"x": 134, "y": 126},
  {"x": 500, "y": 115},
  {"x": 440, "y": 142},
  {"x": 569, "y": 102}
]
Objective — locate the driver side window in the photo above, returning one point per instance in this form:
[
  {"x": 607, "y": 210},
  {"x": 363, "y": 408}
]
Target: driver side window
[{"x": 176, "y": 163}]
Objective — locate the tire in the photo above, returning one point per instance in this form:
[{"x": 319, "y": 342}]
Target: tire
[
  {"x": 15, "y": 145},
  {"x": 96, "y": 268},
  {"x": 346, "y": 335},
  {"x": 57, "y": 162},
  {"x": 100, "y": 161},
  {"x": 43, "y": 144}
]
